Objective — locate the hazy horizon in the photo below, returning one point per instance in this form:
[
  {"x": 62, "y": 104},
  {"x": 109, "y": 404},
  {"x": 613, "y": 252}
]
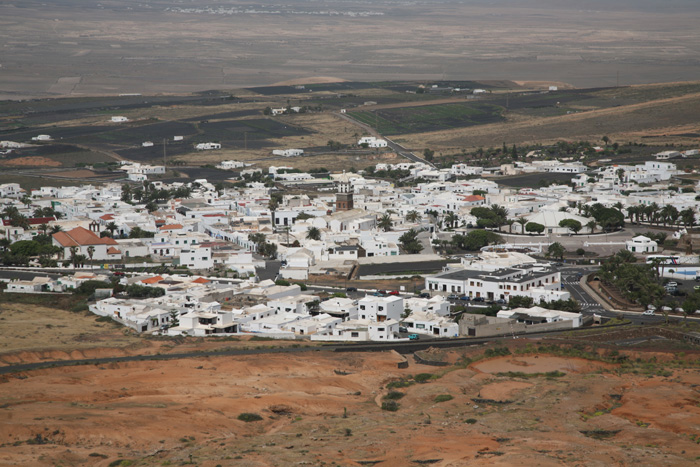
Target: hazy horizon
[{"x": 68, "y": 47}]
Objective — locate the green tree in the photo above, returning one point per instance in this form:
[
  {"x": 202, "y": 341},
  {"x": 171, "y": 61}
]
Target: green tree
[
  {"x": 556, "y": 250},
  {"x": 428, "y": 154},
  {"x": 520, "y": 301},
  {"x": 571, "y": 224},
  {"x": 413, "y": 216},
  {"x": 385, "y": 223},
  {"x": 313, "y": 234},
  {"x": 534, "y": 227},
  {"x": 410, "y": 243}
]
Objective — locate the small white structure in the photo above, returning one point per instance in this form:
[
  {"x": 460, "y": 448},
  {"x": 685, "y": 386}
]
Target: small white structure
[
  {"x": 119, "y": 119},
  {"x": 288, "y": 152},
  {"x": 372, "y": 142},
  {"x": 207, "y": 146},
  {"x": 553, "y": 88},
  {"x": 42, "y": 138},
  {"x": 641, "y": 244},
  {"x": 664, "y": 155},
  {"x": 229, "y": 165},
  {"x": 147, "y": 144},
  {"x": 177, "y": 138}
]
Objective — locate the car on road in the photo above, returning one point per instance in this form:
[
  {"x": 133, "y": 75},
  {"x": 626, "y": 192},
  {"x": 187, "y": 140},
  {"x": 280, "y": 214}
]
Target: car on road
[
  {"x": 413, "y": 337},
  {"x": 118, "y": 273},
  {"x": 351, "y": 289},
  {"x": 500, "y": 301},
  {"x": 403, "y": 329},
  {"x": 672, "y": 284},
  {"x": 478, "y": 299},
  {"x": 424, "y": 295},
  {"x": 394, "y": 292},
  {"x": 465, "y": 298},
  {"x": 453, "y": 296},
  {"x": 648, "y": 312}
]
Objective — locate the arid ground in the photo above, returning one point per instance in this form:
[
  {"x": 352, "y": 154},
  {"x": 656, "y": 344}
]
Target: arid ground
[
  {"x": 536, "y": 403},
  {"x": 71, "y": 47}
]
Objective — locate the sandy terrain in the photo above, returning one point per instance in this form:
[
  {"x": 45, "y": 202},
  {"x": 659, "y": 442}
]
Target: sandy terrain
[
  {"x": 30, "y": 161},
  {"x": 158, "y": 46},
  {"x": 322, "y": 407}
]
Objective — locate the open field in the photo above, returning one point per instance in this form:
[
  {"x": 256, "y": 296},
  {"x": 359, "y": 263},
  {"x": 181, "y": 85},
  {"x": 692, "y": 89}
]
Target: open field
[
  {"x": 533, "y": 407},
  {"x": 164, "y": 46}
]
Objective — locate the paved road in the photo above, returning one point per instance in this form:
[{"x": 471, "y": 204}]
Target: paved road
[{"x": 26, "y": 275}]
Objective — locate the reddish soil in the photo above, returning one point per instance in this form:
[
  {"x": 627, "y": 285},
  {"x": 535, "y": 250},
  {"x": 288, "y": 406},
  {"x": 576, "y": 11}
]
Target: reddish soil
[
  {"x": 160, "y": 412},
  {"x": 30, "y": 161}
]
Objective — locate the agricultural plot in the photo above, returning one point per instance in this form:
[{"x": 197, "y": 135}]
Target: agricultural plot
[
  {"x": 253, "y": 130},
  {"x": 430, "y": 117},
  {"x": 131, "y": 135},
  {"x": 73, "y": 132},
  {"x": 64, "y": 155}
]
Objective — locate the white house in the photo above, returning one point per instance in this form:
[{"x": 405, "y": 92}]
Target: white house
[
  {"x": 207, "y": 146},
  {"x": 379, "y": 309},
  {"x": 372, "y": 142},
  {"x": 288, "y": 152},
  {"x": 196, "y": 257},
  {"x": 641, "y": 244},
  {"x": 119, "y": 119}
]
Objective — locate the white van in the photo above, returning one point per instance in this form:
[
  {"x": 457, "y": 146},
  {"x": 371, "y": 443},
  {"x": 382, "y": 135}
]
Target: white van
[{"x": 648, "y": 312}]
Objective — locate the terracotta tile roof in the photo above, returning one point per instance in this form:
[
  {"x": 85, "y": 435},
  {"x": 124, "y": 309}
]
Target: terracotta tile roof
[
  {"x": 200, "y": 280},
  {"x": 473, "y": 198},
  {"x": 33, "y": 220},
  {"x": 152, "y": 280},
  {"x": 171, "y": 227},
  {"x": 113, "y": 251},
  {"x": 107, "y": 217},
  {"x": 81, "y": 236}
]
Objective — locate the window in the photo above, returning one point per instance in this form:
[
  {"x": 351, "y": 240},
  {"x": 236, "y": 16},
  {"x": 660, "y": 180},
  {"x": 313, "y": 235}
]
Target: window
[
  {"x": 362, "y": 307},
  {"x": 354, "y": 334},
  {"x": 380, "y": 329}
]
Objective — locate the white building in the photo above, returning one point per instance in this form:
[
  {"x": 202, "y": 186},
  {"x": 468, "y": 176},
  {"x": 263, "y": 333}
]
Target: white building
[
  {"x": 207, "y": 146},
  {"x": 372, "y": 142},
  {"x": 196, "y": 257},
  {"x": 527, "y": 280},
  {"x": 379, "y": 309},
  {"x": 538, "y": 315},
  {"x": 119, "y": 119},
  {"x": 641, "y": 244},
  {"x": 288, "y": 152}
]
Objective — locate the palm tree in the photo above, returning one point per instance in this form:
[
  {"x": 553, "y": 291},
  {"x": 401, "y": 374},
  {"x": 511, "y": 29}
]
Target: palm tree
[
  {"x": 413, "y": 216},
  {"x": 111, "y": 226},
  {"x": 44, "y": 227},
  {"x": 91, "y": 252},
  {"x": 313, "y": 234},
  {"x": 522, "y": 221},
  {"x": 687, "y": 217},
  {"x": 74, "y": 255},
  {"x": 509, "y": 223},
  {"x": 451, "y": 219},
  {"x": 126, "y": 193},
  {"x": 385, "y": 223},
  {"x": 591, "y": 225},
  {"x": 55, "y": 229},
  {"x": 5, "y": 243}
]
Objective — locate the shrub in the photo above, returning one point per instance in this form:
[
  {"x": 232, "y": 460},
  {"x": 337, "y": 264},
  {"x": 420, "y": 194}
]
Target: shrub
[
  {"x": 470, "y": 421},
  {"x": 402, "y": 383},
  {"x": 390, "y": 406},
  {"x": 422, "y": 377},
  {"x": 393, "y": 396},
  {"x": 249, "y": 417},
  {"x": 443, "y": 398}
]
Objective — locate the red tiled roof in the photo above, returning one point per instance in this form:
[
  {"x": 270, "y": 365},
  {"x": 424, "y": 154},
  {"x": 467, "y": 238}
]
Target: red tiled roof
[
  {"x": 33, "y": 220},
  {"x": 107, "y": 217},
  {"x": 200, "y": 280},
  {"x": 113, "y": 251},
  {"x": 473, "y": 198},
  {"x": 81, "y": 236},
  {"x": 171, "y": 227},
  {"x": 152, "y": 280}
]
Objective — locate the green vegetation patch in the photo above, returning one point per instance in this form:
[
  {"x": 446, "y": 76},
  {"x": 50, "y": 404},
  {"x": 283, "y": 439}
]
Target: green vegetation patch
[
  {"x": 249, "y": 417},
  {"x": 427, "y": 118}
]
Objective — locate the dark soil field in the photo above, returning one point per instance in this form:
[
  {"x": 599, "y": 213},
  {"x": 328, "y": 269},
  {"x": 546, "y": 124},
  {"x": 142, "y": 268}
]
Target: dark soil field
[{"x": 429, "y": 117}]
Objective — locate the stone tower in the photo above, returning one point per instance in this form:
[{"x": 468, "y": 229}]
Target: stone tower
[{"x": 343, "y": 198}]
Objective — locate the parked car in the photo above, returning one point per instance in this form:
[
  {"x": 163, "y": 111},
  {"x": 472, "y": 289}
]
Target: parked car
[
  {"x": 478, "y": 299},
  {"x": 697, "y": 287},
  {"x": 118, "y": 273},
  {"x": 453, "y": 296},
  {"x": 648, "y": 312},
  {"x": 394, "y": 292},
  {"x": 351, "y": 289},
  {"x": 672, "y": 284},
  {"x": 403, "y": 329},
  {"x": 424, "y": 295},
  {"x": 464, "y": 297},
  {"x": 500, "y": 301},
  {"x": 413, "y": 337}
]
